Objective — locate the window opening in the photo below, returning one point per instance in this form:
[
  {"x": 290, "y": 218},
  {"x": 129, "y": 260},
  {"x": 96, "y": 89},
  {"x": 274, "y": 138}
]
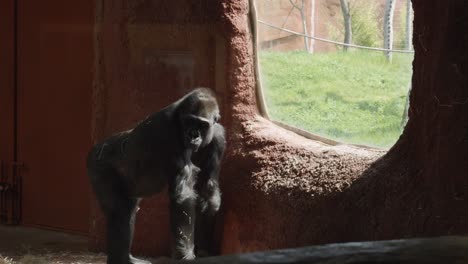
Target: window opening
[{"x": 340, "y": 70}]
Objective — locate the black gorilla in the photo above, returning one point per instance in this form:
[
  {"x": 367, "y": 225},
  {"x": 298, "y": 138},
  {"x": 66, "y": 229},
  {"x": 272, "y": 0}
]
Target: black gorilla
[{"x": 181, "y": 146}]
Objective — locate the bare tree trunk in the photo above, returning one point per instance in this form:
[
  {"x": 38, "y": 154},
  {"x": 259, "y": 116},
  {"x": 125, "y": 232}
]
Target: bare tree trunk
[
  {"x": 304, "y": 27},
  {"x": 304, "y": 21},
  {"x": 388, "y": 28},
  {"x": 409, "y": 25},
  {"x": 347, "y": 22},
  {"x": 312, "y": 26}
]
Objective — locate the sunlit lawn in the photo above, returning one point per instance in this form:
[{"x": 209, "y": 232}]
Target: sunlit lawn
[{"x": 353, "y": 97}]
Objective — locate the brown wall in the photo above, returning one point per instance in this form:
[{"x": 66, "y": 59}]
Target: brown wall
[
  {"x": 52, "y": 78},
  {"x": 279, "y": 189},
  {"x": 7, "y": 67}
]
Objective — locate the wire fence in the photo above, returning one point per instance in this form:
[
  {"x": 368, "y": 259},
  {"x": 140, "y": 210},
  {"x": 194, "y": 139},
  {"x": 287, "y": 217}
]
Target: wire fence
[{"x": 332, "y": 41}]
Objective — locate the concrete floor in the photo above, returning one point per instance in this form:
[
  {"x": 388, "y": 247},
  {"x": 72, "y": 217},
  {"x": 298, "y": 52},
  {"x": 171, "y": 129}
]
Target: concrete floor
[
  {"x": 36, "y": 246},
  {"x": 19, "y": 240},
  {"x": 25, "y": 245}
]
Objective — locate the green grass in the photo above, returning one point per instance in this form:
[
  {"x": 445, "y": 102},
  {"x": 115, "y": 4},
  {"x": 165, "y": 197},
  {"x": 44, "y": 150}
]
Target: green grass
[{"x": 354, "y": 97}]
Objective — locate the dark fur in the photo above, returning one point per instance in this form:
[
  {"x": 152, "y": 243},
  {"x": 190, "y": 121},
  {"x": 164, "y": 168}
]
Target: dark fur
[{"x": 180, "y": 146}]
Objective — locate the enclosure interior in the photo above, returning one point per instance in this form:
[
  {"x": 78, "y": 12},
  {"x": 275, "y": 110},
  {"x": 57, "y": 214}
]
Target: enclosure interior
[{"x": 82, "y": 70}]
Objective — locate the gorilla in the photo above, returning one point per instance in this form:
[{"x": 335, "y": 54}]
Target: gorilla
[{"x": 180, "y": 146}]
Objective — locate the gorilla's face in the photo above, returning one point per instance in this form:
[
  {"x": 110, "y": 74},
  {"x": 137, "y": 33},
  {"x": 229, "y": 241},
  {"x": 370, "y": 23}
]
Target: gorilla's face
[
  {"x": 198, "y": 114},
  {"x": 198, "y": 130}
]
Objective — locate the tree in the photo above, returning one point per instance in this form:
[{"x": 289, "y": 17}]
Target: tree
[
  {"x": 388, "y": 27},
  {"x": 300, "y": 8},
  {"x": 312, "y": 26},
  {"x": 347, "y": 22},
  {"x": 409, "y": 26}
]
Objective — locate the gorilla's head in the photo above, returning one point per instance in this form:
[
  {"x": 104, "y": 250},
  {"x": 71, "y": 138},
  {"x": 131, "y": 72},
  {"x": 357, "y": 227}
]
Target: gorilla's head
[{"x": 198, "y": 112}]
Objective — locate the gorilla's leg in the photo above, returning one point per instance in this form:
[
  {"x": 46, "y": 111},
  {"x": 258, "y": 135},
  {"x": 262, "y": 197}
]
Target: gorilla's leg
[
  {"x": 209, "y": 195},
  {"x": 120, "y": 224},
  {"x": 132, "y": 231},
  {"x": 120, "y": 212},
  {"x": 182, "y": 213}
]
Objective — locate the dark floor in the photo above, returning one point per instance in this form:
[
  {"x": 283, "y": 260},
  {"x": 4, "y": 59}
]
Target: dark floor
[
  {"x": 26, "y": 245},
  {"x": 18, "y": 239},
  {"x": 35, "y": 246},
  {"x": 32, "y": 245}
]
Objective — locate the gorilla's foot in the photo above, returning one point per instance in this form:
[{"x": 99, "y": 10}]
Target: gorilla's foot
[
  {"x": 184, "y": 255},
  {"x": 133, "y": 260},
  {"x": 189, "y": 256}
]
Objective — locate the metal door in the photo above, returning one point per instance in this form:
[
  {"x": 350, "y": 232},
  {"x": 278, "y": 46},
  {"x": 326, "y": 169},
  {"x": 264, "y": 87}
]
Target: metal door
[{"x": 54, "y": 86}]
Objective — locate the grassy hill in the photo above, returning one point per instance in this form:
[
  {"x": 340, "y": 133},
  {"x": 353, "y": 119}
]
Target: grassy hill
[{"x": 353, "y": 97}]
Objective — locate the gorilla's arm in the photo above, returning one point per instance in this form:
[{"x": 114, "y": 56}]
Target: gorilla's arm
[
  {"x": 209, "y": 194},
  {"x": 182, "y": 212}
]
